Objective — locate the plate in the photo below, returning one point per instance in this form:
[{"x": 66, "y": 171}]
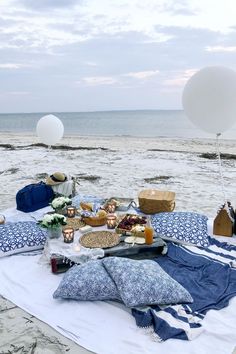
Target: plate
[
  {"x": 100, "y": 239},
  {"x": 133, "y": 239}
]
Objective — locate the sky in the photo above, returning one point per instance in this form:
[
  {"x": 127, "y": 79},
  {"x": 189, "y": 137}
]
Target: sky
[{"x": 99, "y": 55}]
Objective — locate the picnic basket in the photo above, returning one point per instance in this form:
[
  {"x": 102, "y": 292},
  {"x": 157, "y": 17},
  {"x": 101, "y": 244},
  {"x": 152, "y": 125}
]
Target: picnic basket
[{"x": 153, "y": 201}]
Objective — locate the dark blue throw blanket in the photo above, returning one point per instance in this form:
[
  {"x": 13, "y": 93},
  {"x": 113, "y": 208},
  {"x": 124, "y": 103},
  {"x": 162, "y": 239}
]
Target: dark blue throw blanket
[{"x": 209, "y": 274}]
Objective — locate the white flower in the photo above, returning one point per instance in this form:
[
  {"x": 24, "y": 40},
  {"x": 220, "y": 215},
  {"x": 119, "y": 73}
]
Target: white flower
[
  {"x": 47, "y": 218},
  {"x": 60, "y": 202},
  {"x": 59, "y": 217},
  {"x": 52, "y": 220}
]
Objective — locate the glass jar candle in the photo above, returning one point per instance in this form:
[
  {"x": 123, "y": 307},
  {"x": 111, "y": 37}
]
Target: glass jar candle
[
  {"x": 70, "y": 211},
  {"x": 68, "y": 234},
  {"x": 111, "y": 221},
  {"x": 111, "y": 207}
]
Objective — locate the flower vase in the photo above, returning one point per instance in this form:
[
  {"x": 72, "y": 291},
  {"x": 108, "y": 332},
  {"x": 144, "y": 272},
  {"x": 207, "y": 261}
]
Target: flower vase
[{"x": 54, "y": 232}]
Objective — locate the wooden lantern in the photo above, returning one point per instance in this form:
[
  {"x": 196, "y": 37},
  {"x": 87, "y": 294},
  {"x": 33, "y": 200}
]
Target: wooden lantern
[{"x": 223, "y": 224}]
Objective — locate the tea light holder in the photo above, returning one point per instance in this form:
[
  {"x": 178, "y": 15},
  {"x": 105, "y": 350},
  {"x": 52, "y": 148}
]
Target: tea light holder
[
  {"x": 77, "y": 248},
  {"x": 2, "y": 219},
  {"x": 111, "y": 207},
  {"x": 70, "y": 211},
  {"x": 68, "y": 234},
  {"x": 111, "y": 221}
]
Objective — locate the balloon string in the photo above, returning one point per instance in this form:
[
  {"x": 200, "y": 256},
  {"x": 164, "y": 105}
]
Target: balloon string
[
  {"x": 220, "y": 169},
  {"x": 49, "y": 149}
]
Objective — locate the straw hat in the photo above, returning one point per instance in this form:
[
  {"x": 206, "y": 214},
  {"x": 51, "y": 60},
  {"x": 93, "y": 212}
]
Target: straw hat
[{"x": 56, "y": 178}]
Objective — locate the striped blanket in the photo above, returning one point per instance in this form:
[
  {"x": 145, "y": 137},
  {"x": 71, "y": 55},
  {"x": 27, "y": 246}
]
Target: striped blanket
[{"x": 209, "y": 274}]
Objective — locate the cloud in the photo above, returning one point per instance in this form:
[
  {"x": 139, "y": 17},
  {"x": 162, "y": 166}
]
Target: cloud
[
  {"x": 179, "y": 8},
  {"x": 91, "y": 63},
  {"x": 142, "y": 74},
  {"x": 13, "y": 66},
  {"x": 221, "y": 49},
  {"x": 17, "y": 93},
  {"x": 44, "y": 4},
  {"x": 179, "y": 78},
  {"x": 98, "y": 81},
  {"x": 122, "y": 80}
]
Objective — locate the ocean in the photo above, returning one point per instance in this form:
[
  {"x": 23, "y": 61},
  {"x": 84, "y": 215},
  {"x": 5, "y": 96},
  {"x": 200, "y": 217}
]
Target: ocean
[{"x": 145, "y": 123}]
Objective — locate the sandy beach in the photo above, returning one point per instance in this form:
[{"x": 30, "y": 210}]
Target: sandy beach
[
  {"x": 109, "y": 166},
  {"x": 118, "y": 166}
]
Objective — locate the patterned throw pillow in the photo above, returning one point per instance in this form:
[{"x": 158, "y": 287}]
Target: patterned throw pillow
[
  {"x": 88, "y": 281},
  {"x": 144, "y": 282},
  {"x": 22, "y": 236},
  {"x": 182, "y": 227}
]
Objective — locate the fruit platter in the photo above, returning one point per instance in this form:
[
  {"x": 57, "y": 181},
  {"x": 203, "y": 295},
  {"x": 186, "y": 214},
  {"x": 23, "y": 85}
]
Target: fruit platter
[{"x": 132, "y": 224}]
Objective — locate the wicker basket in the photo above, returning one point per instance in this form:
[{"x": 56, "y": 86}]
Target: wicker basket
[
  {"x": 152, "y": 201},
  {"x": 95, "y": 220}
]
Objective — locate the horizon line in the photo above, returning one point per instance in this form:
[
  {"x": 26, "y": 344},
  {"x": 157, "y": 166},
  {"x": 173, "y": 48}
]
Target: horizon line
[{"x": 99, "y": 111}]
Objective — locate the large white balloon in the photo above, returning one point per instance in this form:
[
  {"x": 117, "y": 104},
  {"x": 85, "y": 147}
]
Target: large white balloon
[
  {"x": 209, "y": 99},
  {"x": 50, "y": 129}
]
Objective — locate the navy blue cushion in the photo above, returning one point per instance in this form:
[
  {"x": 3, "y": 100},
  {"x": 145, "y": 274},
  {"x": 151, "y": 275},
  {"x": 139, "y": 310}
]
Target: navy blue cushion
[{"x": 182, "y": 227}]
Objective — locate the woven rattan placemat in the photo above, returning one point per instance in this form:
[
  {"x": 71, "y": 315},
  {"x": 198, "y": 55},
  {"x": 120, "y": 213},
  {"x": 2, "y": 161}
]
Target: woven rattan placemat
[
  {"x": 76, "y": 223},
  {"x": 100, "y": 239}
]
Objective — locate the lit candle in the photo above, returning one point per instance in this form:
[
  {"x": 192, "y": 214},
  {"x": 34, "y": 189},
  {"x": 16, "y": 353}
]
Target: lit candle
[
  {"x": 70, "y": 211},
  {"x": 111, "y": 207},
  {"x": 2, "y": 219},
  {"x": 68, "y": 234},
  {"x": 77, "y": 248},
  {"x": 111, "y": 221}
]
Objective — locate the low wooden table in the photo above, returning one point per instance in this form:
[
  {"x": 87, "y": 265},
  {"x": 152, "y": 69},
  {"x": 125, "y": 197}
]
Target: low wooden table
[
  {"x": 61, "y": 262},
  {"x": 137, "y": 251}
]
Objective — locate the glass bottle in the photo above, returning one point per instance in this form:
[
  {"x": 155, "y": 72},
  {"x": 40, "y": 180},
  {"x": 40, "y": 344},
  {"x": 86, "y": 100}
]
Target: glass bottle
[{"x": 148, "y": 232}]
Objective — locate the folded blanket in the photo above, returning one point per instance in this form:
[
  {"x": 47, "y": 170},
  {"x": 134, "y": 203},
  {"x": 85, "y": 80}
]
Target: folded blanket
[{"x": 209, "y": 274}]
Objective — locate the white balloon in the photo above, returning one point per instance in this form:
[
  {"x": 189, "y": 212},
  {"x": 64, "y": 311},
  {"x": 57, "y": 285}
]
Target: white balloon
[
  {"x": 50, "y": 129},
  {"x": 209, "y": 99}
]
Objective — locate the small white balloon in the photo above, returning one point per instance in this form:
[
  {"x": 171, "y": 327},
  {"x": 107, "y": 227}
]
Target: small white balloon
[
  {"x": 50, "y": 129},
  {"x": 209, "y": 99}
]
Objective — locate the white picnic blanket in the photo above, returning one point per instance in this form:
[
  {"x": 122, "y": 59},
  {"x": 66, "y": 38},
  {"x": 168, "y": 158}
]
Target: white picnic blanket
[{"x": 103, "y": 327}]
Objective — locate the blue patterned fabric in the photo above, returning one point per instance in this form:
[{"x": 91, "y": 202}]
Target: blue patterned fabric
[
  {"x": 182, "y": 227},
  {"x": 22, "y": 236},
  {"x": 209, "y": 274},
  {"x": 144, "y": 282},
  {"x": 88, "y": 281}
]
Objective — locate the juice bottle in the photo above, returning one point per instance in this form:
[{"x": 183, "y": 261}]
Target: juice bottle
[{"x": 148, "y": 232}]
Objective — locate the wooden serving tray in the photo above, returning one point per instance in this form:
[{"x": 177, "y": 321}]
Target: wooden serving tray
[{"x": 126, "y": 231}]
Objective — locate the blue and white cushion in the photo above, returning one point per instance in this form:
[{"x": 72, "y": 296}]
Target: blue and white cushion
[
  {"x": 88, "y": 281},
  {"x": 182, "y": 227},
  {"x": 144, "y": 282},
  {"x": 22, "y": 236}
]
